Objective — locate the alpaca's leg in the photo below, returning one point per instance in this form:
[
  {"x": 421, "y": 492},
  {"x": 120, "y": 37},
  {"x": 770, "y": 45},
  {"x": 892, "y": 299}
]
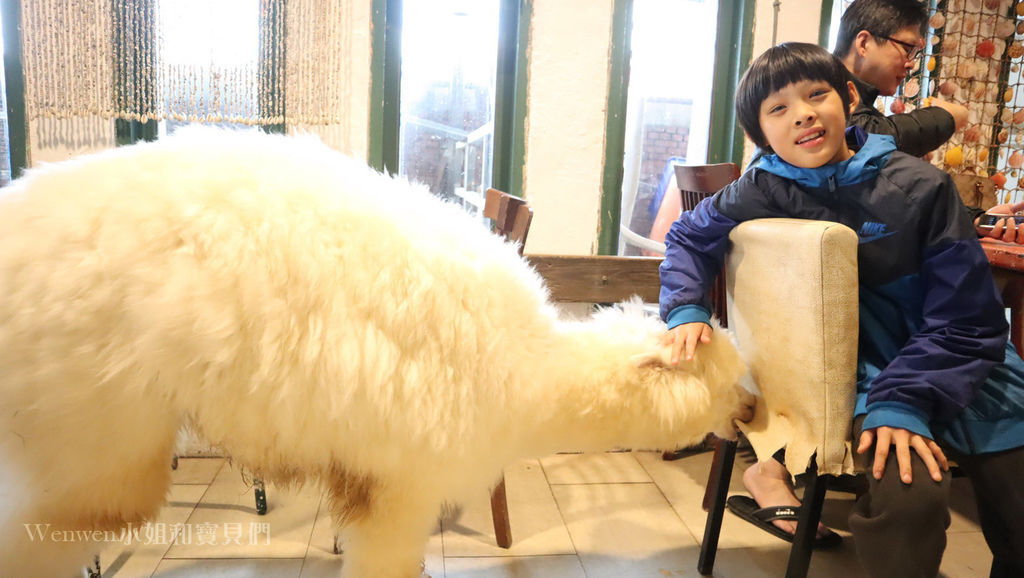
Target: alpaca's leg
[
  {"x": 390, "y": 539},
  {"x": 63, "y": 481}
]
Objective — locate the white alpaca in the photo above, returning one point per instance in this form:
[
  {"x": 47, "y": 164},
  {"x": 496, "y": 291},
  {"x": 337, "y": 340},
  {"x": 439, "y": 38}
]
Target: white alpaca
[{"x": 316, "y": 320}]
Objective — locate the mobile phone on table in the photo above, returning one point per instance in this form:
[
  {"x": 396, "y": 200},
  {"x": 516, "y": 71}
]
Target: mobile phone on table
[{"x": 988, "y": 221}]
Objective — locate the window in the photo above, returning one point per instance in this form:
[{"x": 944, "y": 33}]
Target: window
[
  {"x": 449, "y": 70},
  {"x": 448, "y": 86},
  {"x": 668, "y": 108},
  {"x": 5, "y": 141},
  {"x": 222, "y": 47}
]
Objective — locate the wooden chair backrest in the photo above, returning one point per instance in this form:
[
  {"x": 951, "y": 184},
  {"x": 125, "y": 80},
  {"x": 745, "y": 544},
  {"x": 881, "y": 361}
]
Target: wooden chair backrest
[
  {"x": 698, "y": 182},
  {"x": 511, "y": 216}
]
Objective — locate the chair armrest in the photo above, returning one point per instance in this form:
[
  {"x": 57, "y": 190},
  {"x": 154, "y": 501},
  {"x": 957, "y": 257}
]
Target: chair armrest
[
  {"x": 792, "y": 295},
  {"x": 637, "y": 240}
]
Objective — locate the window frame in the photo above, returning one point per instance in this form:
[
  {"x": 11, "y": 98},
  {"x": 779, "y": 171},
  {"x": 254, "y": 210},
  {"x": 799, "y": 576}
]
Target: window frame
[
  {"x": 14, "y": 86},
  {"x": 510, "y": 91},
  {"x": 733, "y": 48}
]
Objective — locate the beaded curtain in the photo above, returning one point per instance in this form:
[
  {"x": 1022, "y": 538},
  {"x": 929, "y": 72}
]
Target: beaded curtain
[
  {"x": 106, "y": 58},
  {"x": 973, "y": 57}
]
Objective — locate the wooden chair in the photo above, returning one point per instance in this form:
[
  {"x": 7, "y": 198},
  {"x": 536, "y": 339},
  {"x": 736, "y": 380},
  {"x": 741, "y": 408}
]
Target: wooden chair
[
  {"x": 696, "y": 183},
  {"x": 805, "y": 370},
  {"x": 570, "y": 279},
  {"x": 510, "y": 217}
]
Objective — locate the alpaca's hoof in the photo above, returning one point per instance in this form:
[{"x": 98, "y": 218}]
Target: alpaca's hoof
[
  {"x": 261, "y": 496},
  {"x": 94, "y": 570},
  {"x": 338, "y": 550}
]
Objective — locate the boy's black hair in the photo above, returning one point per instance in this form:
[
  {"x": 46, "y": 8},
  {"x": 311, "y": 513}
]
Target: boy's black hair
[
  {"x": 779, "y": 67},
  {"x": 881, "y": 18}
]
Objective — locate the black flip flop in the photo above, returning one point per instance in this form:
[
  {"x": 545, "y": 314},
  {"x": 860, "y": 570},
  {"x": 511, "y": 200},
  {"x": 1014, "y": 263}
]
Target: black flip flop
[{"x": 745, "y": 507}]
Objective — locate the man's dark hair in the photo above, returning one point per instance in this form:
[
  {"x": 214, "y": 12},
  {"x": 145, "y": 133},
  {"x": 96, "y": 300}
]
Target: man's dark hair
[
  {"x": 880, "y": 18},
  {"x": 779, "y": 67}
]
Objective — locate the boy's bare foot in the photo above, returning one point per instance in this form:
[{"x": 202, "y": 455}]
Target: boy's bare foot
[{"x": 770, "y": 484}]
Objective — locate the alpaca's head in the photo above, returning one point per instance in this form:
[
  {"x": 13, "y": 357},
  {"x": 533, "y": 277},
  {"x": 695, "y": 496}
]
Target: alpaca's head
[{"x": 660, "y": 404}]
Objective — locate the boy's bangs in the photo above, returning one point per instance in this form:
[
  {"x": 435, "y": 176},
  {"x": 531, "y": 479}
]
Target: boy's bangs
[{"x": 785, "y": 67}]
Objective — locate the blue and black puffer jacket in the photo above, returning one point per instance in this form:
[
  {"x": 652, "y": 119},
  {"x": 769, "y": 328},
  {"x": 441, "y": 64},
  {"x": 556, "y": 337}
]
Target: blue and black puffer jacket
[{"x": 933, "y": 354}]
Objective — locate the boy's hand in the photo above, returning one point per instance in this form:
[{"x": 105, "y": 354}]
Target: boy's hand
[
  {"x": 686, "y": 337},
  {"x": 929, "y": 451},
  {"x": 1004, "y": 229}
]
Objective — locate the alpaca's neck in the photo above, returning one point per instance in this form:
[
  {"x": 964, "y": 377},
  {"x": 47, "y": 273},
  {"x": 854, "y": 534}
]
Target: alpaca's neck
[{"x": 583, "y": 403}]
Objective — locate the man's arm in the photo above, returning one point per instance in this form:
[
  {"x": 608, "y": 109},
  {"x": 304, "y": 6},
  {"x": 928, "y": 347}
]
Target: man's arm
[{"x": 916, "y": 132}]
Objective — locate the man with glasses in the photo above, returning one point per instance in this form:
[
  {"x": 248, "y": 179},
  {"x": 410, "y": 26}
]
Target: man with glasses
[{"x": 879, "y": 42}]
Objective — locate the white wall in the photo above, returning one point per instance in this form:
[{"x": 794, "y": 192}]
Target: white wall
[{"x": 566, "y": 109}]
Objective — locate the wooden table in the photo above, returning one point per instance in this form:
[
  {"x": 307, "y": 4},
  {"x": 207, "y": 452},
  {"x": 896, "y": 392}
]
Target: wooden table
[
  {"x": 1007, "y": 261},
  {"x": 598, "y": 278}
]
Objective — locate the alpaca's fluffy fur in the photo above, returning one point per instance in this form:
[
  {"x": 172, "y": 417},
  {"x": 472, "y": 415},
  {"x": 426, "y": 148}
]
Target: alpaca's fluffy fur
[{"x": 315, "y": 320}]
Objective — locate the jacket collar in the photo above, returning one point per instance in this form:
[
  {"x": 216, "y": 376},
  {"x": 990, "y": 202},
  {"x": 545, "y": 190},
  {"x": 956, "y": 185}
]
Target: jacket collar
[
  {"x": 873, "y": 152},
  {"x": 867, "y": 91}
]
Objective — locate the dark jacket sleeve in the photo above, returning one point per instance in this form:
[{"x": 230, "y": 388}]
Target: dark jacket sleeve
[
  {"x": 974, "y": 212},
  {"x": 963, "y": 331},
  {"x": 695, "y": 247},
  {"x": 917, "y": 132},
  {"x": 696, "y": 244}
]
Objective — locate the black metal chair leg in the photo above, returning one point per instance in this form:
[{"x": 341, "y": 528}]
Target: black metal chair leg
[
  {"x": 261, "y": 496},
  {"x": 715, "y": 496},
  {"x": 807, "y": 523}
]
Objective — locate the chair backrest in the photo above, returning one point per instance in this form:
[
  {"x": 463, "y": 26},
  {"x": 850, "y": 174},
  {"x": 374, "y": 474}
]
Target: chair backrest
[
  {"x": 804, "y": 358},
  {"x": 511, "y": 216},
  {"x": 697, "y": 182}
]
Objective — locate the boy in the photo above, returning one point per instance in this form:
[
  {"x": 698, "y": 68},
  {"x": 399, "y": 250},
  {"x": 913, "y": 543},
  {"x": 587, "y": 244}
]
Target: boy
[{"x": 933, "y": 332}]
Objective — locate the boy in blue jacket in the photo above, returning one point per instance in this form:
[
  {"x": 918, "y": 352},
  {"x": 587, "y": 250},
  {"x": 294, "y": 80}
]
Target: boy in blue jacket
[{"x": 934, "y": 365}]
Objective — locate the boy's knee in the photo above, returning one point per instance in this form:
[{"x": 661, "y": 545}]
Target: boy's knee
[{"x": 922, "y": 501}]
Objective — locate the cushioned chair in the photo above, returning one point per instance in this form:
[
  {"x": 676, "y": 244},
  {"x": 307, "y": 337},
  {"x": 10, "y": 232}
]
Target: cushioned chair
[{"x": 803, "y": 360}]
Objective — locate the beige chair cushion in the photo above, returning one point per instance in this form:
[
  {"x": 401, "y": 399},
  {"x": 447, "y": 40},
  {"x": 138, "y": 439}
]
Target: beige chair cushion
[{"x": 793, "y": 306}]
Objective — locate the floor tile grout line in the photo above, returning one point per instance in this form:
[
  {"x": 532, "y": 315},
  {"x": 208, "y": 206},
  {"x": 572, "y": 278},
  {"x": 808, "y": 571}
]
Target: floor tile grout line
[
  {"x": 199, "y": 500},
  {"x": 671, "y": 505},
  {"x": 312, "y": 527},
  {"x": 561, "y": 515}
]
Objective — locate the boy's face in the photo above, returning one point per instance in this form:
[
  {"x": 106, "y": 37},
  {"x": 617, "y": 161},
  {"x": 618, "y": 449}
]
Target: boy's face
[{"x": 805, "y": 123}]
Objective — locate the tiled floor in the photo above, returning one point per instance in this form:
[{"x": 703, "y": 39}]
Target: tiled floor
[{"x": 613, "y": 515}]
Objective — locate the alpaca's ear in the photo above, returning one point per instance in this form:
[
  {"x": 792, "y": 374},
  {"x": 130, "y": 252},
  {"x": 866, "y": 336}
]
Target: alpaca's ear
[{"x": 655, "y": 358}]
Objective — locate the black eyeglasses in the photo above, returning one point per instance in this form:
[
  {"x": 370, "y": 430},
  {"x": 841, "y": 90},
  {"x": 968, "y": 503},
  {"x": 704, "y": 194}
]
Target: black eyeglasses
[{"x": 910, "y": 51}]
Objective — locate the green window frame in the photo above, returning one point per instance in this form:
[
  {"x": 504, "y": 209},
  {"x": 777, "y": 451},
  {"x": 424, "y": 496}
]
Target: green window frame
[
  {"x": 510, "y": 94},
  {"x": 733, "y": 47},
  {"x": 14, "y": 85}
]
